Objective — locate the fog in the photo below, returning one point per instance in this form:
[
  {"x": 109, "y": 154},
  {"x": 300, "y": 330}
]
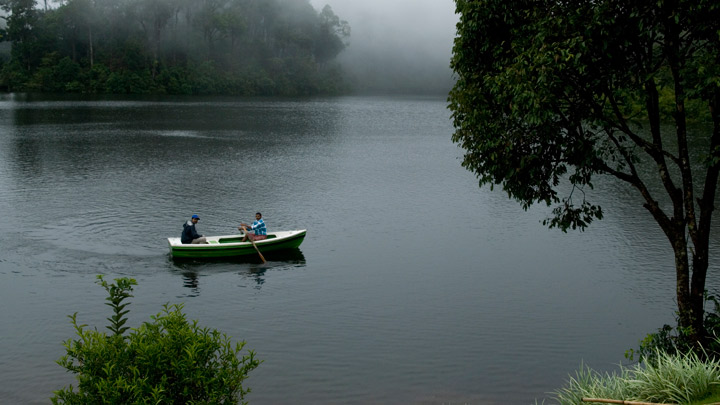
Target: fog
[
  {"x": 398, "y": 45},
  {"x": 395, "y": 46}
]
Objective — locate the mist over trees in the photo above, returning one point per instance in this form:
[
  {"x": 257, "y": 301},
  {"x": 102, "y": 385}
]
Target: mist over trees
[
  {"x": 399, "y": 46},
  {"x": 247, "y": 47}
]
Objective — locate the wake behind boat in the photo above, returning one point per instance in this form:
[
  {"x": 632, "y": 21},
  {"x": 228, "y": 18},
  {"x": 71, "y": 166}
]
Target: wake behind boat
[{"x": 232, "y": 245}]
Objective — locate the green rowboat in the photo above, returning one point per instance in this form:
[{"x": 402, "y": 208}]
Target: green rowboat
[{"x": 231, "y": 245}]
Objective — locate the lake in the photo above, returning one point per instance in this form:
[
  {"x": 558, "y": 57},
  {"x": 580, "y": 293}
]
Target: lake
[{"x": 413, "y": 284}]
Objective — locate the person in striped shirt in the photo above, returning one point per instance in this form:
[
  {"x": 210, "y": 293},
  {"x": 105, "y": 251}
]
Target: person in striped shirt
[{"x": 260, "y": 231}]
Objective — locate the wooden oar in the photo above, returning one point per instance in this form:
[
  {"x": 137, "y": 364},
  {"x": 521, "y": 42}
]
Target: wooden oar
[{"x": 247, "y": 235}]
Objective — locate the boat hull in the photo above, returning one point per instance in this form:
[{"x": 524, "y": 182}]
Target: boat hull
[{"x": 231, "y": 245}]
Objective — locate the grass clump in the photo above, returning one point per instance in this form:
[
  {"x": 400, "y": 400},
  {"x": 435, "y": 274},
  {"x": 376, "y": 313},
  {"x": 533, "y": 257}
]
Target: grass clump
[
  {"x": 588, "y": 383},
  {"x": 677, "y": 378},
  {"x": 666, "y": 378}
]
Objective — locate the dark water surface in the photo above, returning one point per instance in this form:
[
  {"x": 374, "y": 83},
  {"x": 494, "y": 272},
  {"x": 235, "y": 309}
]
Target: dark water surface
[{"x": 412, "y": 286}]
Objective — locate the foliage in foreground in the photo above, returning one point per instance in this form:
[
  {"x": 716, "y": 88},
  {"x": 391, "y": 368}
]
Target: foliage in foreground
[
  {"x": 168, "y": 360},
  {"x": 668, "y": 378}
]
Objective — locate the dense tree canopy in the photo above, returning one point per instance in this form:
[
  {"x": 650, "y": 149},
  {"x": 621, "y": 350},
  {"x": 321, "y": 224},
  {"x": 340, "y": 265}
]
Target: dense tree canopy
[
  {"x": 173, "y": 46},
  {"x": 551, "y": 93}
]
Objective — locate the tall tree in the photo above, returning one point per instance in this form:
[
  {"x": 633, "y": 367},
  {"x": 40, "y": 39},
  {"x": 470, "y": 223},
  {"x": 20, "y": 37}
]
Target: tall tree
[
  {"x": 79, "y": 17},
  {"x": 332, "y": 36},
  {"x": 233, "y": 25},
  {"x": 554, "y": 92},
  {"x": 154, "y": 16},
  {"x": 21, "y": 18},
  {"x": 208, "y": 20}
]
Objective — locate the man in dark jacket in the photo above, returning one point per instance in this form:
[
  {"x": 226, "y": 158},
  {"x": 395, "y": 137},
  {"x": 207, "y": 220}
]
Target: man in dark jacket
[{"x": 189, "y": 234}]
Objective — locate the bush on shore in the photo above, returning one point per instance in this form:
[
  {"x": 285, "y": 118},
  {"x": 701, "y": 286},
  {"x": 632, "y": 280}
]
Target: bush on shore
[{"x": 166, "y": 361}]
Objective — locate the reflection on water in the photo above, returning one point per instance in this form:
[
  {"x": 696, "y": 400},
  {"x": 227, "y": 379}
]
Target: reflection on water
[
  {"x": 190, "y": 280},
  {"x": 411, "y": 280},
  {"x": 191, "y": 269}
]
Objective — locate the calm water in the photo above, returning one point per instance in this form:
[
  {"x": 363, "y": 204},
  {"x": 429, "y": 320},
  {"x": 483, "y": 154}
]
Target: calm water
[{"x": 412, "y": 286}]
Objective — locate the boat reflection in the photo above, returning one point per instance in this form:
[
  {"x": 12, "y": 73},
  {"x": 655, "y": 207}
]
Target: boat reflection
[
  {"x": 190, "y": 280},
  {"x": 250, "y": 266}
]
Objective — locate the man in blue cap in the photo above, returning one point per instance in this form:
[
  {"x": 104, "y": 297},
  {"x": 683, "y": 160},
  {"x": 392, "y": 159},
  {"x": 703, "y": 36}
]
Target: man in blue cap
[{"x": 189, "y": 234}]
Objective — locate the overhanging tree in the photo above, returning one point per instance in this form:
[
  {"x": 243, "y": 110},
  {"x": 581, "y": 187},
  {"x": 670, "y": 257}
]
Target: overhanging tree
[{"x": 550, "y": 94}]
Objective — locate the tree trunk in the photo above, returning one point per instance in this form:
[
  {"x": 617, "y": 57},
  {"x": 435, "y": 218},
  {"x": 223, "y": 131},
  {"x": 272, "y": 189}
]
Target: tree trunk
[
  {"x": 697, "y": 291},
  {"x": 682, "y": 276},
  {"x": 691, "y": 287},
  {"x": 706, "y": 204},
  {"x": 90, "y": 47}
]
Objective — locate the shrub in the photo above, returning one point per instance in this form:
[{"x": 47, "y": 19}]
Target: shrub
[
  {"x": 168, "y": 360},
  {"x": 675, "y": 340}
]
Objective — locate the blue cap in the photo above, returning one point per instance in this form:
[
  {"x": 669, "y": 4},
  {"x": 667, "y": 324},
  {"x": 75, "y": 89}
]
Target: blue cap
[{"x": 195, "y": 216}]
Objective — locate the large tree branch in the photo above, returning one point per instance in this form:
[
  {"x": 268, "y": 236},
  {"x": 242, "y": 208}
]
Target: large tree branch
[
  {"x": 650, "y": 204},
  {"x": 634, "y": 179},
  {"x": 707, "y": 201},
  {"x": 653, "y": 150},
  {"x": 653, "y": 107},
  {"x": 684, "y": 203}
]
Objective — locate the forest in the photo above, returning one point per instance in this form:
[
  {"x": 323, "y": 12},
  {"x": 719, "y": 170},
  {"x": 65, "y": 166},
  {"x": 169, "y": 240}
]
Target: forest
[{"x": 233, "y": 47}]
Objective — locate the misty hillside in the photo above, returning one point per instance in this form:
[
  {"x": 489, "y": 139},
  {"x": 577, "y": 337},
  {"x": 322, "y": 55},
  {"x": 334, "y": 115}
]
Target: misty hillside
[{"x": 249, "y": 47}]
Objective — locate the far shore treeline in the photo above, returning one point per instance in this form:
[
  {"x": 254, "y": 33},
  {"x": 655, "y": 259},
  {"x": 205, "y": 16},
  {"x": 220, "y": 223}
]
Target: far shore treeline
[{"x": 238, "y": 47}]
